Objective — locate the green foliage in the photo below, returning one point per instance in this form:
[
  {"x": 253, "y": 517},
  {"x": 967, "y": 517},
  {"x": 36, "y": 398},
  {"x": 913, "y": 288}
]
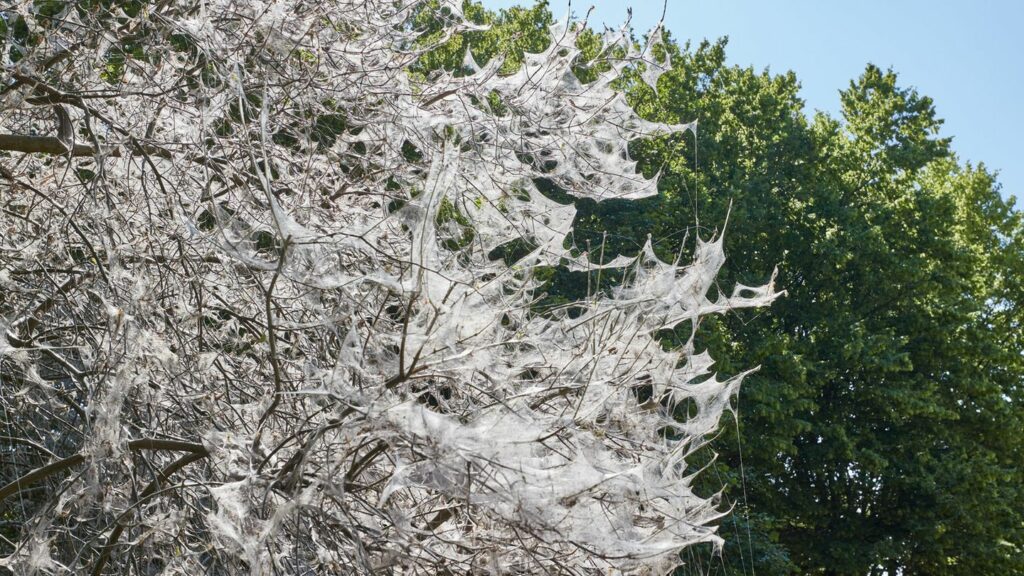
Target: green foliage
[
  {"x": 511, "y": 33},
  {"x": 448, "y": 216},
  {"x": 882, "y": 433},
  {"x": 875, "y": 434}
]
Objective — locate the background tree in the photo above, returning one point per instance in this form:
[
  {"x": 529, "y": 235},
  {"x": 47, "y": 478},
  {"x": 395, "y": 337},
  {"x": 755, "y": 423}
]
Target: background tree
[{"x": 875, "y": 435}]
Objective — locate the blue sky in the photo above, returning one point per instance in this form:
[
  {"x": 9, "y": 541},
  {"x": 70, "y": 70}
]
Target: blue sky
[{"x": 967, "y": 56}]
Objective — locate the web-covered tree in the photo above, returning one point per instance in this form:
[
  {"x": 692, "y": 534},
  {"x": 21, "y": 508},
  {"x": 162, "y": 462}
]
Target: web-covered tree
[{"x": 269, "y": 302}]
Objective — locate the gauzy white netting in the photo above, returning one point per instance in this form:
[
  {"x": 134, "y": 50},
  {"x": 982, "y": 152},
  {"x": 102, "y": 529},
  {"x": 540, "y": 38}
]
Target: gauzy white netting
[{"x": 255, "y": 314}]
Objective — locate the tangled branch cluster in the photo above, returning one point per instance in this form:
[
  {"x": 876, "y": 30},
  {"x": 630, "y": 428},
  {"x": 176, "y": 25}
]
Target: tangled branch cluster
[{"x": 269, "y": 303}]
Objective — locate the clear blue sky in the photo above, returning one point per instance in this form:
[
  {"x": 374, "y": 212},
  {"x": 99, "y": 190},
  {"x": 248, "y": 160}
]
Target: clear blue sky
[{"x": 967, "y": 56}]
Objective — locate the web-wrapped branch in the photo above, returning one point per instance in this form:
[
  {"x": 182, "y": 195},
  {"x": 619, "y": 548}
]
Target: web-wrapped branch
[{"x": 271, "y": 303}]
